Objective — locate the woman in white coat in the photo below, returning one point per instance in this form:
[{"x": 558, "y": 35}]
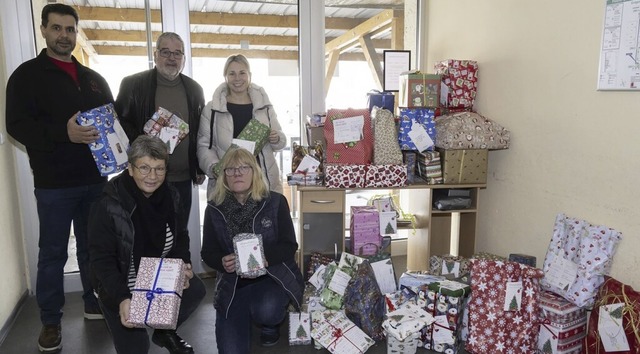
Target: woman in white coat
[{"x": 235, "y": 102}]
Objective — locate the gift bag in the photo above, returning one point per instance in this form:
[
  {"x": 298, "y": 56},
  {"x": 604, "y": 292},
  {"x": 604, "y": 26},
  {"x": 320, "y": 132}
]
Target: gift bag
[
  {"x": 614, "y": 323},
  {"x": 386, "y": 150},
  {"x": 364, "y": 303},
  {"x": 578, "y": 258},
  {"x": 352, "y": 141}
]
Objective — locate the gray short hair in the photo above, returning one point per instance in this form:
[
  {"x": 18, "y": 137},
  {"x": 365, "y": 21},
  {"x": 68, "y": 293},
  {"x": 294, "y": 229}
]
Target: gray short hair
[
  {"x": 148, "y": 146},
  {"x": 169, "y": 35}
]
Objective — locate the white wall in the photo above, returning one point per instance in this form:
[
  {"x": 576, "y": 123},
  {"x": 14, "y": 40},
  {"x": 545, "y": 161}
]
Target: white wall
[
  {"x": 574, "y": 149},
  {"x": 12, "y": 261}
]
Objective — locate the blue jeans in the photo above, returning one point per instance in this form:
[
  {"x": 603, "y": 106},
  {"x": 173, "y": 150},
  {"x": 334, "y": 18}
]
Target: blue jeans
[
  {"x": 57, "y": 209},
  {"x": 136, "y": 340},
  {"x": 264, "y": 303}
]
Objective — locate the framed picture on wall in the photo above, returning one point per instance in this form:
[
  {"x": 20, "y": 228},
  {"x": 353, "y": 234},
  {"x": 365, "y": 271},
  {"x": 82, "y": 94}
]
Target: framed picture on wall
[{"x": 395, "y": 62}]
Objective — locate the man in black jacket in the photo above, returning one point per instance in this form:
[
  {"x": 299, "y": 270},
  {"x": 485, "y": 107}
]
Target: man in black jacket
[
  {"x": 44, "y": 96},
  {"x": 164, "y": 86}
]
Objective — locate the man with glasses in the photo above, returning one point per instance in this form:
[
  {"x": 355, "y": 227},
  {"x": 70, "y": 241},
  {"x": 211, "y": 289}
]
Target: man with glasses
[
  {"x": 165, "y": 86},
  {"x": 44, "y": 96}
]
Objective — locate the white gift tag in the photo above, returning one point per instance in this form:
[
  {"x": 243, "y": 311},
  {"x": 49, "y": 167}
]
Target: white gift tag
[
  {"x": 339, "y": 281},
  {"x": 420, "y": 137},
  {"x": 450, "y": 268},
  {"x": 122, "y": 136},
  {"x": 245, "y": 144},
  {"x": 167, "y": 276},
  {"x": 348, "y": 129},
  {"x": 513, "y": 296},
  {"x": 316, "y": 279},
  {"x": 547, "y": 339},
  {"x": 308, "y": 164},
  {"x": 315, "y": 304},
  {"x": 386, "y": 279},
  {"x": 118, "y": 148},
  {"x": 170, "y": 137},
  {"x": 441, "y": 331},
  {"x": 388, "y": 223},
  {"x": 611, "y": 328},
  {"x": 562, "y": 272},
  {"x": 249, "y": 255},
  {"x": 299, "y": 326}
]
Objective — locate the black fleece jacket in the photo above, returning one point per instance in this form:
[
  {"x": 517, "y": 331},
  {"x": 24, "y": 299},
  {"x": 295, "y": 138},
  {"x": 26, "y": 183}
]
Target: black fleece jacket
[{"x": 41, "y": 98}]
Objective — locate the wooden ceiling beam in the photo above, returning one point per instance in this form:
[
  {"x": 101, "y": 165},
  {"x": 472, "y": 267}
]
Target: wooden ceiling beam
[
  {"x": 208, "y": 38},
  {"x": 209, "y": 18}
]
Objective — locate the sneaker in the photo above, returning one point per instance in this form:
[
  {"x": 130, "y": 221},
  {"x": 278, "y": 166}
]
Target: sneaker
[
  {"x": 269, "y": 336},
  {"x": 50, "y": 340},
  {"x": 93, "y": 313}
]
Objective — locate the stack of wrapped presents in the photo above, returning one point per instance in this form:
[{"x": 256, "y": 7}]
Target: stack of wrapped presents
[
  {"x": 427, "y": 133},
  {"x": 485, "y": 303}
]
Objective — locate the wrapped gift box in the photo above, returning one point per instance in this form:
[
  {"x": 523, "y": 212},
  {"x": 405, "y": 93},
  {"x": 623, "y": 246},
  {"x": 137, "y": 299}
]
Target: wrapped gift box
[
  {"x": 386, "y": 100},
  {"x": 499, "y": 321},
  {"x": 156, "y": 297},
  {"x": 560, "y": 311},
  {"x": 410, "y": 159},
  {"x": 406, "y": 321},
  {"x": 334, "y": 331},
  {"x": 299, "y": 328},
  {"x": 168, "y": 127},
  {"x": 552, "y": 339},
  {"x": 459, "y": 82},
  {"x": 464, "y": 166},
  {"x": 469, "y": 130},
  {"x": 110, "y": 149},
  {"x": 419, "y": 89},
  {"x": 364, "y": 176},
  {"x": 448, "y": 264},
  {"x": 414, "y": 280},
  {"x": 430, "y": 167},
  {"x": 421, "y": 118},
  {"x": 365, "y": 230},
  {"x": 356, "y": 151},
  {"x": 407, "y": 346},
  {"x": 256, "y": 133}
]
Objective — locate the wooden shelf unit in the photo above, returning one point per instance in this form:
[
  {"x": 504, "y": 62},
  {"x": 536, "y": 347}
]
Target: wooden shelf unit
[{"x": 322, "y": 222}]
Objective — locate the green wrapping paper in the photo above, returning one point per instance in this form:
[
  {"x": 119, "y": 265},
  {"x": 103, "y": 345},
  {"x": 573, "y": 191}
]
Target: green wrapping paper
[
  {"x": 451, "y": 288},
  {"x": 253, "y": 131}
]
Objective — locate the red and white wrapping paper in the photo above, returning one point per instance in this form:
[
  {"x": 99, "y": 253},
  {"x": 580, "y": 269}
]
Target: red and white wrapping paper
[
  {"x": 491, "y": 328},
  {"x": 459, "y": 82},
  {"x": 363, "y": 176},
  {"x": 354, "y": 152},
  {"x": 156, "y": 297}
]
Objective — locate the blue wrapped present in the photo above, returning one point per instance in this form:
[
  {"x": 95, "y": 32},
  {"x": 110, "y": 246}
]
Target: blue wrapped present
[
  {"x": 110, "y": 149},
  {"x": 417, "y": 123},
  {"x": 384, "y": 100}
]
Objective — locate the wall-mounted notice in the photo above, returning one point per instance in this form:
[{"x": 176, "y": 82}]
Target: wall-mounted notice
[{"x": 619, "y": 67}]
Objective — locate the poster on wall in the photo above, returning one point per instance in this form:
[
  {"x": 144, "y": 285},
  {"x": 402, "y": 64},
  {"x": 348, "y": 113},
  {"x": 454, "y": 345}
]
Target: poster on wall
[
  {"x": 395, "y": 62},
  {"x": 619, "y": 67}
]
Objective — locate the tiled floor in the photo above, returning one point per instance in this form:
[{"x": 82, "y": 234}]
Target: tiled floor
[{"x": 92, "y": 337}]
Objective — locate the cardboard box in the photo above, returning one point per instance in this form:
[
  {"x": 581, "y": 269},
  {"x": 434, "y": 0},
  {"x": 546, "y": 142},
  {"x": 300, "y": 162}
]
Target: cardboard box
[
  {"x": 110, "y": 150},
  {"x": 156, "y": 298},
  {"x": 464, "y": 166},
  {"x": 419, "y": 90}
]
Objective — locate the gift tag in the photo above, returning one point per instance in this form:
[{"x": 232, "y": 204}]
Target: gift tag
[
  {"x": 383, "y": 272},
  {"x": 170, "y": 137},
  {"x": 308, "y": 164},
  {"x": 441, "y": 331},
  {"x": 245, "y": 144},
  {"x": 118, "y": 148},
  {"x": 562, "y": 272},
  {"x": 299, "y": 327},
  {"x": 339, "y": 282},
  {"x": 249, "y": 255},
  {"x": 388, "y": 223},
  {"x": 315, "y": 304},
  {"x": 611, "y": 328},
  {"x": 167, "y": 276},
  {"x": 547, "y": 339},
  {"x": 317, "y": 277},
  {"x": 420, "y": 137},
  {"x": 513, "y": 296},
  {"x": 450, "y": 268},
  {"x": 346, "y": 130}
]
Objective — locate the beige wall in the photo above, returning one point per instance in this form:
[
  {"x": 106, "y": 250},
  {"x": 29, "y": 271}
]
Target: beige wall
[
  {"x": 13, "y": 275},
  {"x": 574, "y": 150}
]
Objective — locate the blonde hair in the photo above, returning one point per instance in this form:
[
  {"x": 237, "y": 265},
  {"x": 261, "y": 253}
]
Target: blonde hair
[
  {"x": 237, "y": 156},
  {"x": 238, "y": 58}
]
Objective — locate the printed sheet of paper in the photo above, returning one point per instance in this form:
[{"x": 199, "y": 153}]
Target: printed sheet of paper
[
  {"x": 308, "y": 164},
  {"x": 167, "y": 277},
  {"x": 386, "y": 279},
  {"x": 249, "y": 255},
  {"x": 388, "y": 223},
  {"x": 170, "y": 137},
  {"x": 339, "y": 281},
  {"x": 420, "y": 137},
  {"x": 346, "y": 130},
  {"x": 450, "y": 268},
  {"x": 441, "y": 331},
  {"x": 611, "y": 328},
  {"x": 245, "y": 144},
  {"x": 562, "y": 272},
  {"x": 317, "y": 278},
  {"x": 513, "y": 296}
]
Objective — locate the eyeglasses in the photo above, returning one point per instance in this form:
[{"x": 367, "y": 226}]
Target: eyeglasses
[
  {"x": 166, "y": 53},
  {"x": 231, "y": 171},
  {"x": 146, "y": 170}
]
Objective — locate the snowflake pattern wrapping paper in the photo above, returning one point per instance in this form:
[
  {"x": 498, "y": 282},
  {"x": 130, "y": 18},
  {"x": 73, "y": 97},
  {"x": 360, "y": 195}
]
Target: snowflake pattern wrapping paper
[
  {"x": 156, "y": 296},
  {"x": 491, "y": 328},
  {"x": 589, "y": 248}
]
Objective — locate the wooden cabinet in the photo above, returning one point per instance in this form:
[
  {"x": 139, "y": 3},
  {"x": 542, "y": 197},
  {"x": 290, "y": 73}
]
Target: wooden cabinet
[{"x": 322, "y": 223}]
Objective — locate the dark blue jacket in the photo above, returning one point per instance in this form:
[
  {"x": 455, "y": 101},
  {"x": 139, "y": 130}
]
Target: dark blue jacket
[{"x": 273, "y": 223}]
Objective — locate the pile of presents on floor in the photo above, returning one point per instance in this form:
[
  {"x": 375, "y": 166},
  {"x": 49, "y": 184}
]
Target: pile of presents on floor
[
  {"x": 485, "y": 303},
  {"x": 434, "y": 136}
]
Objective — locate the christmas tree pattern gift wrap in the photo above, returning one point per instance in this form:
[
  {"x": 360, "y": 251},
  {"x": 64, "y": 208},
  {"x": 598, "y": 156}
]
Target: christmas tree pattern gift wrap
[
  {"x": 578, "y": 258},
  {"x": 156, "y": 297},
  {"x": 110, "y": 149},
  {"x": 504, "y": 313},
  {"x": 334, "y": 331}
]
